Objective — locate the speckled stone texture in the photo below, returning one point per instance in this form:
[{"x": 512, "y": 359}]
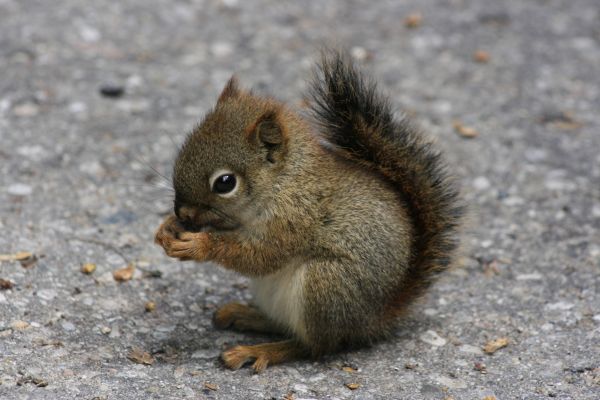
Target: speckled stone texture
[{"x": 77, "y": 185}]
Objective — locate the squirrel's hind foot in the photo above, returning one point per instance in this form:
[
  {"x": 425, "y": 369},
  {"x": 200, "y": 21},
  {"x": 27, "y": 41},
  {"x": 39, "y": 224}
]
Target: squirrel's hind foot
[{"x": 263, "y": 354}]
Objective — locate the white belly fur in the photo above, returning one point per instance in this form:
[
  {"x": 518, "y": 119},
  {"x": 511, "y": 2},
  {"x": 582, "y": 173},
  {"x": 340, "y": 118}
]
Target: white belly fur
[{"x": 280, "y": 296}]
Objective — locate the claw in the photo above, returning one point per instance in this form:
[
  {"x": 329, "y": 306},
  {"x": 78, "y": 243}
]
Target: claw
[
  {"x": 260, "y": 364},
  {"x": 237, "y": 356}
]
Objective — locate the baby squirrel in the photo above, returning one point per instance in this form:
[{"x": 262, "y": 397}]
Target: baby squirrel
[{"x": 340, "y": 227}]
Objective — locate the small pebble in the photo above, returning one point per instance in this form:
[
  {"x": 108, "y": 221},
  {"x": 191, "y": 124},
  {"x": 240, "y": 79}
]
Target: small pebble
[
  {"x": 481, "y": 56},
  {"x": 68, "y": 326},
  {"x": 6, "y": 284},
  {"x": 494, "y": 345},
  {"x": 77, "y": 107},
  {"x": 47, "y": 294},
  {"x": 221, "y": 49},
  {"x": 413, "y": 20},
  {"x": 134, "y": 81},
  {"x": 432, "y": 338},
  {"x": 470, "y": 349},
  {"x": 112, "y": 91},
  {"x": 19, "y": 189},
  {"x": 26, "y": 110},
  {"x": 89, "y": 34},
  {"x": 150, "y": 306},
  {"x": 547, "y": 327},
  {"x": 124, "y": 274},
  {"x": 19, "y": 325},
  {"x": 114, "y": 332},
  {"x": 480, "y": 367},
  {"x": 230, "y": 3},
  {"x": 88, "y": 268},
  {"x": 300, "y": 388},
  {"x": 68, "y": 373},
  {"x": 481, "y": 183},
  {"x": 534, "y": 276},
  {"x": 19, "y": 256},
  {"x": 360, "y": 53},
  {"x": 140, "y": 356},
  {"x": 33, "y": 152},
  {"x": 464, "y": 131},
  {"x": 560, "y": 306}
]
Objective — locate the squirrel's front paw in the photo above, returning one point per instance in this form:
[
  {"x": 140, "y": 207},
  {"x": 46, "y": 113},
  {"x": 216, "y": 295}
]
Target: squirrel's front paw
[
  {"x": 188, "y": 246},
  {"x": 167, "y": 231},
  {"x": 178, "y": 243}
]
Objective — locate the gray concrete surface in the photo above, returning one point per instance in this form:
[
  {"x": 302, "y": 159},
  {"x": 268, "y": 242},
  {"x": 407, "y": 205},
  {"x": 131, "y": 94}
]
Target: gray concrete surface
[{"x": 76, "y": 186}]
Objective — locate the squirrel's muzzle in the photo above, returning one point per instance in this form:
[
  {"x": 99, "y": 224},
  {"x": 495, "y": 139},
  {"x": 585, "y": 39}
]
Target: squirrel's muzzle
[{"x": 204, "y": 218}]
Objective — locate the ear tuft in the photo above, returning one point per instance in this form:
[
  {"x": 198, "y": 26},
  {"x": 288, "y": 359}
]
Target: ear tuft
[{"x": 231, "y": 90}]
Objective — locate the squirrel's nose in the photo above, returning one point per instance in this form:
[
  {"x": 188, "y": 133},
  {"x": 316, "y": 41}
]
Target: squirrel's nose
[
  {"x": 193, "y": 217},
  {"x": 184, "y": 212}
]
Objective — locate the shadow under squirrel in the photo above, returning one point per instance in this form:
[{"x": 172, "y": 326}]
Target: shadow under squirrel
[{"x": 340, "y": 227}]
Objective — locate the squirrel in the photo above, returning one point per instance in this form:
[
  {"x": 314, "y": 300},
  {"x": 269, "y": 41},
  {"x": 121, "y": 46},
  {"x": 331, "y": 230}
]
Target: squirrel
[{"x": 340, "y": 225}]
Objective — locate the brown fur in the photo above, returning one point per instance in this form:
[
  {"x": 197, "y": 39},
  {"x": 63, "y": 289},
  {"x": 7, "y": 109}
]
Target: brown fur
[
  {"x": 368, "y": 219},
  {"x": 243, "y": 318}
]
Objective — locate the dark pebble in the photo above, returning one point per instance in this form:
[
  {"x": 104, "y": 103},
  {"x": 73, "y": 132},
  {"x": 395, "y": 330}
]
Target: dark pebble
[
  {"x": 551, "y": 116},
  {"x": 502, "y": 194},
  {"x": 112, "y": 91},
  {"x": 152, "y": 274}
]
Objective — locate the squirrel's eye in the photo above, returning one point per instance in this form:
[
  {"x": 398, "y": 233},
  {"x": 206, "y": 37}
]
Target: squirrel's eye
[{"x": 224, "y": 184}]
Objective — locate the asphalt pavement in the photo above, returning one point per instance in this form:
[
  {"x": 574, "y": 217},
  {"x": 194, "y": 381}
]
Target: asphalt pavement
[{"x": 96, "y": 96}]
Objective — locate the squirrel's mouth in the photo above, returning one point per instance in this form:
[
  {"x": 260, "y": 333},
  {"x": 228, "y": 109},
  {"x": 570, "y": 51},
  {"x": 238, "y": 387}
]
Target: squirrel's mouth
[
  {"x": 204, "y": 218},
  {"x": 189, "y": 226},
  {"x": 208, "y": 222}
]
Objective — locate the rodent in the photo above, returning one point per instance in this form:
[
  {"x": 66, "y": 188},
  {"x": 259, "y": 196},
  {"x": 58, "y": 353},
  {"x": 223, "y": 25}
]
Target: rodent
[{"x": 340, "y": 225}]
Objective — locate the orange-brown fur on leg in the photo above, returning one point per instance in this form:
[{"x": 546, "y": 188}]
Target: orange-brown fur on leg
[{"x": 263, "y": 354}]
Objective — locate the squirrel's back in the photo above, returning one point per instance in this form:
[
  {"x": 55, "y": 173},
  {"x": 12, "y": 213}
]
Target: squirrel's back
[{"x": 359, "y": 123}]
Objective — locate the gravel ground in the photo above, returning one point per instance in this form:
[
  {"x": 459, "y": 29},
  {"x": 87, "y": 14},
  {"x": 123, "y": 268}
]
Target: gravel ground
[{"x": 77, "y": 186}]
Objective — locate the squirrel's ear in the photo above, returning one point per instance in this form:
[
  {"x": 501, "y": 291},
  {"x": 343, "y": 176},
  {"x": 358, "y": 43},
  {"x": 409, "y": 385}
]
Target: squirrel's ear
[
  {"x": 230, "y": 91},
  {"x": 269, "y": 132}
]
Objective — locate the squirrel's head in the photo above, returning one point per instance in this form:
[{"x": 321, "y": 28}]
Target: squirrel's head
[{"x": 230, "y": 161}]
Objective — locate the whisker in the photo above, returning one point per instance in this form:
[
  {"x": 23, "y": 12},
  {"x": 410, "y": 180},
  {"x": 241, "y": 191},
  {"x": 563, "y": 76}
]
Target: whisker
[
  {"x": 147, "y": 188},
  {"x": 147, "y": 164},
  {"x": 157, "y": 185},
  {"x": 221, "y": 214}
]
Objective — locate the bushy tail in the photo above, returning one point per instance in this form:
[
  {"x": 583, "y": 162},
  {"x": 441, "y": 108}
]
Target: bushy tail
[{"x": 359, "y": 122}]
